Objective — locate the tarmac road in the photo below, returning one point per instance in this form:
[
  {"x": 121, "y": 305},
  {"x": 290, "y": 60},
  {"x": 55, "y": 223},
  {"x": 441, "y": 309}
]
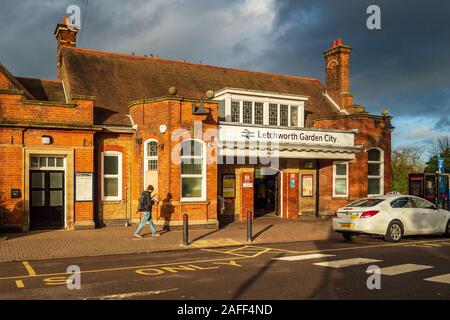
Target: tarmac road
[{"x": 416, "y": 268}]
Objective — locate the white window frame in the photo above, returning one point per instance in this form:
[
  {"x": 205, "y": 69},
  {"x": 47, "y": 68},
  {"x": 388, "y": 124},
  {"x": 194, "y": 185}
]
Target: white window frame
[
  {"x": 202, "y": 175},
  {"x": 47, "y": 168},
  {"x": 119, "y": 176},
  {"x": 381, "y": 176},
  {"x": 147, "y": 157},
  {"x": 340, "y": 176}
]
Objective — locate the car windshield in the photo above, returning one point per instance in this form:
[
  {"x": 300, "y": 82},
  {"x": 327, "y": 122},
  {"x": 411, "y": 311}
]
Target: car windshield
[{"x": 370, "y": 202}]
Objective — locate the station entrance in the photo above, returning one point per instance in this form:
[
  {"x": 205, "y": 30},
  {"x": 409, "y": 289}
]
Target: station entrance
[{"x": 266, "y": 193}]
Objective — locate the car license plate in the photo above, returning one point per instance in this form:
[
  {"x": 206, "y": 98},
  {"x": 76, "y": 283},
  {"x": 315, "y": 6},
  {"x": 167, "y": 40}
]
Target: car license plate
[{"x": 346, "y": 225}]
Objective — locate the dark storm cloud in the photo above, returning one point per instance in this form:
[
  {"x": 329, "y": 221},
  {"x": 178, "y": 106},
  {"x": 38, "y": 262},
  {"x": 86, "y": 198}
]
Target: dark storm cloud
[{"x": 404, "y": 66}]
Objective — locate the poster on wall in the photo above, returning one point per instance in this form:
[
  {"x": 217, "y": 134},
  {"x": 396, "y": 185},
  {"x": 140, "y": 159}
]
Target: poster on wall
[
  {"x": 228, "y": 186},
  {"x": 307, "y": 185},
  {"x": 84, "y": 186}
]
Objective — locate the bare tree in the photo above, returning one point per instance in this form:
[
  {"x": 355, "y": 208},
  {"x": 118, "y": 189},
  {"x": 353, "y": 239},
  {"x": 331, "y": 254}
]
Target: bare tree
[{"x": 440, "y": 147}]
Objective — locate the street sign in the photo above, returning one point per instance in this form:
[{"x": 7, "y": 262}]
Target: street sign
[{"x": 441, "y": 165}]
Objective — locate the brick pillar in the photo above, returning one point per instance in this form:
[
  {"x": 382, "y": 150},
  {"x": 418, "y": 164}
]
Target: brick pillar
[{"x": 247, "y": 193}]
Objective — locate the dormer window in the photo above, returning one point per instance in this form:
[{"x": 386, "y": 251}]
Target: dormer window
[{"x": 261, "y": 108}]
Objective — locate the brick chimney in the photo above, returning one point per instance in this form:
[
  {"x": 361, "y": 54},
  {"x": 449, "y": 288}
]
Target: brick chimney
[
  {"x": 65, "y": 36},
  {"x": 337, "y": 60}
]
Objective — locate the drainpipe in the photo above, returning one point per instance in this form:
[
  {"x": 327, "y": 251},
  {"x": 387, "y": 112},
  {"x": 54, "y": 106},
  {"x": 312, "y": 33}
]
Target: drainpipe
[
  {"x": 317, "y": 188},
  {"x": 25, "y": 202},
  {"x": 128, "y": 213}
]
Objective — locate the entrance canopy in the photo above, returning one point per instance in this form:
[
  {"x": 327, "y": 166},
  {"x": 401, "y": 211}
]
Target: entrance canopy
[{"x": 253, "y": 141}]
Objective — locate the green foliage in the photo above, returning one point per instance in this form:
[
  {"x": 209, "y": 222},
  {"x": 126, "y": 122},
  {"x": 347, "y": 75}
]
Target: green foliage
[{"x": 405, "y": 160}]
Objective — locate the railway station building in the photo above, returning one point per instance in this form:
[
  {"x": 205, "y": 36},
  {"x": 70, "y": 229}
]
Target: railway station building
[{"x": 216, "y": 143}]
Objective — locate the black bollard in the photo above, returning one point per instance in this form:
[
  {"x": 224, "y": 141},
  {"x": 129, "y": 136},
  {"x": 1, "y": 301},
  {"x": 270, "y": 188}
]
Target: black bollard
[
  {"x": 185, "y": 230},
  {"x": 249, "y": 226}
]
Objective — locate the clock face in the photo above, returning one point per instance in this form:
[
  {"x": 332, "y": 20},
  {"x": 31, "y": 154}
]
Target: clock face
[{"x": 162, "y": 128}]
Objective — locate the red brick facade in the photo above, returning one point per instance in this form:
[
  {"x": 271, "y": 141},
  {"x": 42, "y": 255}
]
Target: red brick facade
[{"x": 77, "y": 135}]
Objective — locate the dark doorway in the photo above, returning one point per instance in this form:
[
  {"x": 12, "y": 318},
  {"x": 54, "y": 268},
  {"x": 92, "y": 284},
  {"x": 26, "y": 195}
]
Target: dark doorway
[
  {"x": 46, "y": 199},
  {"x": 266, "y": 195}
]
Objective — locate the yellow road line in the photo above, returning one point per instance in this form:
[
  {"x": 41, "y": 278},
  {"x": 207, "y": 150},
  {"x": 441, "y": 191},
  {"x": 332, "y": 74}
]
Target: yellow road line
[
  {"x": 226, "y": 252},
  {"x": 20, "y": 284},
  {"x": 30, "y": 270},
  {"x": 128, "y": 268},
  {"x": 355, "y": 248},
  {"x": 214, "y": 260}
]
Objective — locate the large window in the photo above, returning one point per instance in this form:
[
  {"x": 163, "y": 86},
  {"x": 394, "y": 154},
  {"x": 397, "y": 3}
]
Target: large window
[
  {"x": 112, "y": 176},
  {"x": 375, "y": 172},
  {"x": 266, "y": 113},
  {"x": 151, "y": 155},
  {"x": 340, "y": 179},
  {"x": 193, "y": 167}
]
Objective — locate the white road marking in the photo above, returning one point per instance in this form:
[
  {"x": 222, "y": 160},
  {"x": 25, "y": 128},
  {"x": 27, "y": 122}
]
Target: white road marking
[
  {"x": 444, "y": 278},
  {"x": 346, "y": 262},
  {"x": 304, "y": 257},
  {"x": 123, "y": 296},
  {"x": 403, "y": 268}
]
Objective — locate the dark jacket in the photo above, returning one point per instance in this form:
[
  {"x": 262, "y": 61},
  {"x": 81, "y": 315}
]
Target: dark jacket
[{"x": 147, "y": 201}]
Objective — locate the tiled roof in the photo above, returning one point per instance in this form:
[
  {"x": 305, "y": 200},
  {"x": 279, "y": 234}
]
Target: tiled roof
[
  {"x": 116, "y": 80},
  {"x": 44, "y": 90}
]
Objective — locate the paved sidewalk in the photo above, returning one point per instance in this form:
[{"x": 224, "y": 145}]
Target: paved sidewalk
[{"x": 119, "y": 240}]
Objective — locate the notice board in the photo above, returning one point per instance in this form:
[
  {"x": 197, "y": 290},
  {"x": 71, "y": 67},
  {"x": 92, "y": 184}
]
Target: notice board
[{"x": 84, "y": 186}]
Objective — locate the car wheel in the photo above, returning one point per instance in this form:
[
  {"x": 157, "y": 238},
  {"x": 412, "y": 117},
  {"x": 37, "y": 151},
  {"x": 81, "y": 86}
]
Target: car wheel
[
  {"x": 394, "y": 232},
  {"x": 348, "y": 236},
  {"x": 447, "y": 229}
]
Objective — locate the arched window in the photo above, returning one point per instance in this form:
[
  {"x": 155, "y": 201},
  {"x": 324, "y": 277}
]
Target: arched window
[
  {"x": 375, "y": 172},
  {"x": 193, "y": 170},
  {"x": 151, "y": 164},
  {"x": 151, "y": 155}
]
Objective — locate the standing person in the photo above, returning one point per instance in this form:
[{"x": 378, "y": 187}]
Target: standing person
[{"x": 145, "y": 205}]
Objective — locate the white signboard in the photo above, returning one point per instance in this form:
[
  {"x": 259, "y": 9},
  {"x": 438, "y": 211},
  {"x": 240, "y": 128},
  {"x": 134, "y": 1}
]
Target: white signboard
[
  {"x": 299, "y": 136},
  {"x": 84, "y": 186}
]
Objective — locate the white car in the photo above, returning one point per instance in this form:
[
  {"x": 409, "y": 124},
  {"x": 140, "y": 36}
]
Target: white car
[{"x": 391, "y": 217}]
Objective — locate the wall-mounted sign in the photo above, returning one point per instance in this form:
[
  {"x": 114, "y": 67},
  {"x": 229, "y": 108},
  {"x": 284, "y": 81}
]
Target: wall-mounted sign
[
  {"x": 15, "y": 193},
  {"x": 441, "y": 165},
  {"x": 307, "y": 185},
  {"x": 292, "y": 180},
  {"x": 84, "y": 186},
  {"x": 247, "y": 181},
  {"x": 235, "y": 133},
  {"x": 228, "y": 186}
]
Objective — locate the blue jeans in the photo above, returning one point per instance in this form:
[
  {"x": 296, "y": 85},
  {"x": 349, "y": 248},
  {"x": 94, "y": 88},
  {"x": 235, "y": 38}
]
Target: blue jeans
[{"x": 147, "y": 217}]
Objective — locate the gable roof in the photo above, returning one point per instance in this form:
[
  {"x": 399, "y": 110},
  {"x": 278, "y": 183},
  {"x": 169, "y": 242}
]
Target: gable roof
[
  {"x": 15, "y": 83},
  {"x": 116, "y": 80}
]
